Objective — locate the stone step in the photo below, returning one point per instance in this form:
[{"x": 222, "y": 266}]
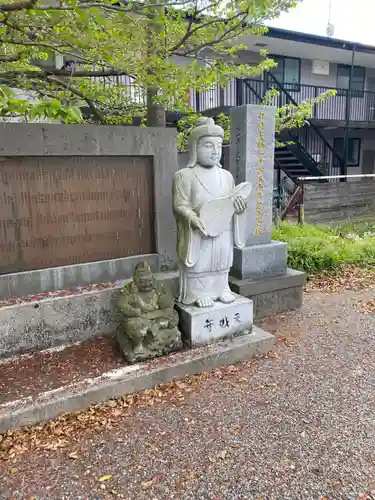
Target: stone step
[{"x": 41, "y": 386}]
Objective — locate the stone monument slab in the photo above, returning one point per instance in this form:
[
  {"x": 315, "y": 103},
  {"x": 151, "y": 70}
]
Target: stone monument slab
[
  {"x": 201, "y": 326},
  {"x": 251, "y": 160}
]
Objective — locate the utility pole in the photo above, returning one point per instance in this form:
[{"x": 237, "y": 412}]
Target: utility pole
[{"x": 344, "y": 167}]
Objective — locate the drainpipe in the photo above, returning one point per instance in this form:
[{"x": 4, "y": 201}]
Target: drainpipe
[{"x": 344, "y": 168}]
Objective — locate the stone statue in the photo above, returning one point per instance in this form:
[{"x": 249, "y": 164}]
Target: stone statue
[
  {"x": 148, "y": 326},
  {"x": 209, "y": 212}
]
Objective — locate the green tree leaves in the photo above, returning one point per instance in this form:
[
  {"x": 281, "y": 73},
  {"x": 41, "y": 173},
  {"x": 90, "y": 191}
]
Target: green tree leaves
[{"x": 189, "y": 45}]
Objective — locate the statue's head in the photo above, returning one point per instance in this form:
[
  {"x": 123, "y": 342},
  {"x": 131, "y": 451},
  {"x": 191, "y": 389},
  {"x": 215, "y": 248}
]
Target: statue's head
[
  {"x": 143, "y": 277},
  {"x": 205, "y": 143}
]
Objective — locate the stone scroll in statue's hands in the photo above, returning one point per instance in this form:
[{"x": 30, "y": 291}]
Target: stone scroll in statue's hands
[{"x": 217, "y": 214}]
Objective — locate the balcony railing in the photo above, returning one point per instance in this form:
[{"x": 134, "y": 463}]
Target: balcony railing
[
  {"x": 247, "y": 91},
  {"x": 251, "y": 91}
]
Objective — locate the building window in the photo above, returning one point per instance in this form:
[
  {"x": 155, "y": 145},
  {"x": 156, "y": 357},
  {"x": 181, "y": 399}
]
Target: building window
[
  {"x": 287, "y": 72},
  {"x": 358, "y": 80},
  {"x": 354, "y": 150}
]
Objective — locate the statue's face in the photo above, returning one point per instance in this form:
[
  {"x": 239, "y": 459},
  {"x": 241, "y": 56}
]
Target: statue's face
[
  {"x": 144, "y": 282},
  {"x": 209, "y": 151}
]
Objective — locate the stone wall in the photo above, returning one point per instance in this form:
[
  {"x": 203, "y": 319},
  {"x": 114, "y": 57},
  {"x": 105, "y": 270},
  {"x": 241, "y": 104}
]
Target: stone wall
[
  {"x": 336, "y": 202},
  {"x": 38, "y": 161}
]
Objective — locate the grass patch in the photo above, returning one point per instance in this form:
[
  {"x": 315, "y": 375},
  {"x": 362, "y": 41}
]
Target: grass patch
[{"x": 318, "y": 248}]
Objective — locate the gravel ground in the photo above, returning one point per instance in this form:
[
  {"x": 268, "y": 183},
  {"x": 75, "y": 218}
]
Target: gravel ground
[{"x": 298, "y": 424}]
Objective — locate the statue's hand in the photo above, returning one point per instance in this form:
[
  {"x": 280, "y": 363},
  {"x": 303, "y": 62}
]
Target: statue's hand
[
  {"x": 147, "y": 308},
  {"x": 198, "y": 225},
  {"x": 137, "y": 312},
  {"x": 240, "y": 204}
]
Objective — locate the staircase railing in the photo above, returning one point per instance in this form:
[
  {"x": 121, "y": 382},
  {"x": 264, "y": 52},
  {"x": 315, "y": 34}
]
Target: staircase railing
[
  {"x": 310, "y": 139},
  {"x": 292, "y": 204}
]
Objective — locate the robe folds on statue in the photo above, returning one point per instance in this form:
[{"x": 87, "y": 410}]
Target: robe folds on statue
[{"x": 205, "y": 261}]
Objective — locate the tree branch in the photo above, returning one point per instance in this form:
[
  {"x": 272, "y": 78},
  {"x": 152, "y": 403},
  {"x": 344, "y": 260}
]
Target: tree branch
[
  {"x": 7, "y": 59},
  {"x": 12, "y": 7},
  {"x": 62, "y": 72},
  {"x": 212, "y": 22},
  {"x": 78, "y": 93}
]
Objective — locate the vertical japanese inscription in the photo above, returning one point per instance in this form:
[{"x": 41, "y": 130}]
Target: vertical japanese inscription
[
  {"x": 259, "y": 213},
  {"x": 238, "y": 155}
]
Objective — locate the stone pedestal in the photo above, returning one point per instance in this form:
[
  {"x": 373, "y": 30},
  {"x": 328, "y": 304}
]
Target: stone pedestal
[
  {"x": 260, "y": 261},
  {"x": 252, "y": 160},
  {"x": 201, "y": 326},
  {"x": 273, "y": 294},
  {"x": 259, "y": 270}
]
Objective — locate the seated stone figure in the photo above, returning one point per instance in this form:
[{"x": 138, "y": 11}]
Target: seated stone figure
[{"x": 148, "y": 321}]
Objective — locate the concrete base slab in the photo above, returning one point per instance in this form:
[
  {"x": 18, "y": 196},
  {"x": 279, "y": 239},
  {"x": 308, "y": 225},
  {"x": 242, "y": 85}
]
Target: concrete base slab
[
  {"x": 50, "y": 322},
  {"x": 201, "y": 326},
  {"x": 273, "y": 295},
  {"x": 133, "y": 378},
  {"x": 60, "y": 278},
  {"x": 260, "y": 261}
]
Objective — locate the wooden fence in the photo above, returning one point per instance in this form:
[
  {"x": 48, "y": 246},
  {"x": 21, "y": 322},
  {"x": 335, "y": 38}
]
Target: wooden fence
[{"x": 335, "y": 202}]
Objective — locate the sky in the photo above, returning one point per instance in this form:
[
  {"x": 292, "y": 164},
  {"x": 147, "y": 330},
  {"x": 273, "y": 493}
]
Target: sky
[{"x": 354, "y": 20}]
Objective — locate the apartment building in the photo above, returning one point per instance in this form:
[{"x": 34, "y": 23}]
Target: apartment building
[{"x": 340, "y": 137}]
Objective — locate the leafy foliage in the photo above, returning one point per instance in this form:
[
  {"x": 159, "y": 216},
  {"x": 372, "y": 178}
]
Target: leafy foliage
[
  {"x": 319, "y": 248},
  {"x": 49, "y": 109},
  {"x": 104, "y": 42}
]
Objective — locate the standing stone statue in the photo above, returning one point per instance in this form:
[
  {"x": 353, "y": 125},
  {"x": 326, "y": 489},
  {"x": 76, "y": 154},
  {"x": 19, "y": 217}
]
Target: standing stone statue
[
  {"x": 209, "y": 212},
  {"x": 148, "y": 325}
]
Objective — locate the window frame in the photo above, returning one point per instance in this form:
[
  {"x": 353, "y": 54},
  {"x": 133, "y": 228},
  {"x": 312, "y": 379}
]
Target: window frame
[
  {"x": 358, "y": 160},
  {"x": 354, "y": 92},
  {"x": 286, "y": 86}
]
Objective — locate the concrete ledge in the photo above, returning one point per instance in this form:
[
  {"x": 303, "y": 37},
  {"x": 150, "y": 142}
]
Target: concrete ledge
[
  {"x": 247, "y": 287},
  {"x": 273, "y": 295},
  {"x": 133, "y": 378},
  {"x": 60, "y": 278},
  {"x": 51, "y": 322}
]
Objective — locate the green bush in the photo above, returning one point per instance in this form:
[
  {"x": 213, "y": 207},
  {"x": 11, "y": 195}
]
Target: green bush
[{"x": 318, "y": 248}]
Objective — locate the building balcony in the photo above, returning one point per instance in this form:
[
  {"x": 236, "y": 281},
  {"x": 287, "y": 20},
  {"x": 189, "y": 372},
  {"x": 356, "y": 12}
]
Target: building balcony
[{"x": 247, "y": 91}]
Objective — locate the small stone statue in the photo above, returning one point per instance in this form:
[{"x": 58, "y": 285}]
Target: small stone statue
[
  {"x": 148, "y": 326},
  {"x": 209, "y": 211}
]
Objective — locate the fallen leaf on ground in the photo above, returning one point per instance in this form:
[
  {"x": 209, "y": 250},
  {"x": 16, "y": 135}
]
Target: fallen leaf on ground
[
  {"x": 338, "y": 484},
  {"x": 105, "y": 477},
  {"x": 366, "y": 306},
  {"x": 347, "y": 278},
  {"x": 223, "y": 454},
  {"x": 148, "y": 484},
  {"x": 73, "y": 455}
]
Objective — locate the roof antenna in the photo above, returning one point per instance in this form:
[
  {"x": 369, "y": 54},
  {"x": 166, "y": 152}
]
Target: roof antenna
[{"x": 330, "y": 27}]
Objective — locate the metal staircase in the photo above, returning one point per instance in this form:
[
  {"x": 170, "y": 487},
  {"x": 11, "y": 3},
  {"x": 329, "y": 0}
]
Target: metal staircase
[{"x": 305, "y": 152}]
